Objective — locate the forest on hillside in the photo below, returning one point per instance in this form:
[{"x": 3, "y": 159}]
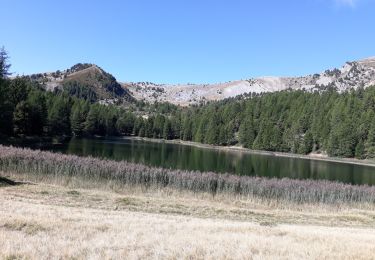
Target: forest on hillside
[{"x": 341, "y": 124}]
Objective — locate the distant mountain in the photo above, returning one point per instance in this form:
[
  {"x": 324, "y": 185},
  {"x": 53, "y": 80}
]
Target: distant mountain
[
  {"x": 84, "y": 80},
  {"x": 351, "y": 75},
  {"x": 91, "y": 82}
]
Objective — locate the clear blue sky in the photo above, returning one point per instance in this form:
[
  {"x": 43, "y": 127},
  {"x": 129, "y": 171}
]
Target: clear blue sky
[{"x": 198, "y": 41}]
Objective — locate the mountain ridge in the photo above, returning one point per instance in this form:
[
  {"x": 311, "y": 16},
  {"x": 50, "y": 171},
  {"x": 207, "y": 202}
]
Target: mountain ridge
[
  {"x": 351, "y": 75},
  {"x": 90, "y": 80}
]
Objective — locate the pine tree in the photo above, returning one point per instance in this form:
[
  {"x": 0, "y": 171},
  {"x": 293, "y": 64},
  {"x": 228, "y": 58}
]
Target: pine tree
[
  {"x": 38, "y": 112},
  {"x": 370, "y": 142},
  {"x": 110, "y": 122},
  {"x": 212, "y": 132},
  {"x": 342, "y": 137},
  {"x": 17, "y": 90},
  {"x": 78, "y": 117},
  {"x": 187, "y": 130},
  {"x": 199, "y": 135},
  {"x": 223, "y": 136},
  {"x": 125, "y": 124},
  {"x": 360, "y": 150},
  {"x": 91, "y": 123},
  {"x": 59, "y": 117},
  {"x": 21, "y": 118},
  {"x": 167, "y": 131},
  {"x": 138, "y": 124},
  {"x": 306, "y": 143},
  {"x": 4, "y": 65},
  {"x": 6, "y": 109}
]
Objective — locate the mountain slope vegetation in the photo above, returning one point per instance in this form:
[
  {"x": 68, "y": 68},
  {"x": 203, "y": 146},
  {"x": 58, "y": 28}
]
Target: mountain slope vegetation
[{"x": 86, "y": 81}]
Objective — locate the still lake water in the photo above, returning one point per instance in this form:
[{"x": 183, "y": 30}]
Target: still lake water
[{"x": 187, "y": 157}]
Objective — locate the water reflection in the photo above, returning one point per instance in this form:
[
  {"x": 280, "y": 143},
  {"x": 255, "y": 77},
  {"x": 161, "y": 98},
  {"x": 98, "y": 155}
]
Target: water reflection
[{"x": 194, "y": 158}]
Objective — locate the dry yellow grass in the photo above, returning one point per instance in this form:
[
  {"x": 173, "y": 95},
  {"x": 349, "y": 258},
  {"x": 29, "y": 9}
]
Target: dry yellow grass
[{"x": 44, "y": 221}]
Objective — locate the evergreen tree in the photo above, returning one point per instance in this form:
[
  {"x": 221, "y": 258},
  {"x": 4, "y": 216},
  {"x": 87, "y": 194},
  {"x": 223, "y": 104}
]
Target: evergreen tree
[
  {"x": 38, "y": 112},
  {"x": 138, "y": 124},
  {"x": 21, "y": 118},
  {"x": 59, "y": 117},
  {"x": 306, "y": 144},
  {"x": 6, "y": 109},
  {"x": 158, "y": 126},
  {"x": 91, "y": 123},
  {"x": 167, "y": 130},
  {"x": 17, "y": 90},
  {"x": 212, "y": 132},
  {"x": 78, "y": 117},
  {"x": 111, "y": 122},
  {"x": 360, "y": 150},
  {"x": 187, "y": 134},
  {"x": 370, "y": 142},
  {"x": 148, "y": 128},
  {"x": 4, "y": 65},
  {"x": 247, "y": 133},
  {"x": 126, "y": 123},
  {"x": 342, "y": 139}
]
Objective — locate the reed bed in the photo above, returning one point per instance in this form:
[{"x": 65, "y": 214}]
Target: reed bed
[{"x": 55, "y": 165}]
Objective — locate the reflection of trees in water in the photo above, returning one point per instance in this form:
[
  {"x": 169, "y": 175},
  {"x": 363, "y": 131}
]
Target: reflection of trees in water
[{"x": 194, "y": 158}]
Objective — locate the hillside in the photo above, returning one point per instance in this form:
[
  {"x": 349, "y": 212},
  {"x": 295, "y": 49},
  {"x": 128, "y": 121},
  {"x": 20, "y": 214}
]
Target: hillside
[
  {"x": 351, "y": 75},
  {"x": 91, "y": 82},
  {"x": 86, "y": 81}
]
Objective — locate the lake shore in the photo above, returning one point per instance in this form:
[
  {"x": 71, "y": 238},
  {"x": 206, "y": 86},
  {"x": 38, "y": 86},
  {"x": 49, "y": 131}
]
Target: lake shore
[
  {"x": 64, "y": 206},
  {"x": 312, "y": 156},
  {"x": 41, "y": 165}
]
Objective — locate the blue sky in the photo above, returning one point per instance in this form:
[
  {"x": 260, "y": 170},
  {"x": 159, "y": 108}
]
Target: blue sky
[{"x": 196, "y": 41}]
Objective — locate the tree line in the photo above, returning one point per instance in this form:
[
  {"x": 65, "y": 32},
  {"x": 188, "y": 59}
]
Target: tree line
[{"x": 341, "y": 124}]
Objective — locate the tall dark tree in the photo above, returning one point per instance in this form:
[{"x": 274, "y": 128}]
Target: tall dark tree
[
  {"x": 91, "y": 123},
  {"x": 125, "y": 123},
  {"x": 21, "y": 118},
  {"x": 360, "y": 150},
  {"x": 6, "y": 109},
  {"x": 167, "y": 130},
  {"x": 247, "y": 133},
  {"x": 59, "y": 117},
  {"x": 38, "y": 112},
  {"x": 18, "y": 90},
  {"x": 4, "y": 64},
  {"x": 370, "y": 142},
  {"x": 187, "y": 132},
  {"x": 78, "y": 117},
  {"x": 111, "y": 121}
]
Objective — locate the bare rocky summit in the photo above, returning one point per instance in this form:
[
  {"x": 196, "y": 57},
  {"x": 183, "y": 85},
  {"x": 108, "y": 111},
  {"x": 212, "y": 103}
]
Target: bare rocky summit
[
  {"x": 350, "y": 76},
  {"x": 84, "y": 79}
]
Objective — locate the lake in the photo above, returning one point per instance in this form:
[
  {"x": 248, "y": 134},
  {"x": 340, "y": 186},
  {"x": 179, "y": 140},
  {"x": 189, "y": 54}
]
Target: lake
[{"x": 187, "y": 157}]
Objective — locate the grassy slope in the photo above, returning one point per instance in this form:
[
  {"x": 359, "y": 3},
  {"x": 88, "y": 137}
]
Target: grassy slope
[{"x": 45, "y": 221}]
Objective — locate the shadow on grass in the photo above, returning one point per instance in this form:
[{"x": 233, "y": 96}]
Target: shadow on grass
[{"x": 8, "y": 182}]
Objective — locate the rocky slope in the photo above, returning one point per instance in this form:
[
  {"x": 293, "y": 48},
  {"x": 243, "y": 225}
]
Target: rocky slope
[
  {"x": 87, "y": 80},
  {"x": 351, "y": 75}
]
